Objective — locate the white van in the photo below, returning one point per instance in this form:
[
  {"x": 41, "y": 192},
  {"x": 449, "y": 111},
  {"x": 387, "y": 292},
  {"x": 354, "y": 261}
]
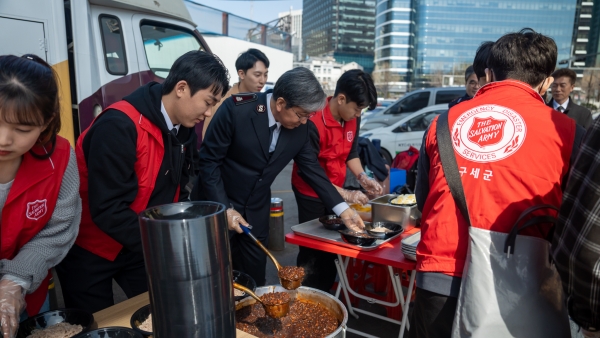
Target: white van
[{"x": 101, "y": 50}]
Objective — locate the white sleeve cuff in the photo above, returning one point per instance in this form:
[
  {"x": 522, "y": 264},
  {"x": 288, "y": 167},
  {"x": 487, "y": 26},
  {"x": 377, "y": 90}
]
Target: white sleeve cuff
[{"x": 338, "y": 209}]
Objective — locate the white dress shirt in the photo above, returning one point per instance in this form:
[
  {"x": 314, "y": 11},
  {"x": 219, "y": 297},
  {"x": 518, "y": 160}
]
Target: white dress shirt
[
  {"x": 170, "y": 125},
  {"x": 564, "y": 105},
  {"x": 271, "y": 123}
]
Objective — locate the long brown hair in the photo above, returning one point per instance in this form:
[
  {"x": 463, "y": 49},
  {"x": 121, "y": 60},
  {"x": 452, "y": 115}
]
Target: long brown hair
[{"x": 29, "y": 96}]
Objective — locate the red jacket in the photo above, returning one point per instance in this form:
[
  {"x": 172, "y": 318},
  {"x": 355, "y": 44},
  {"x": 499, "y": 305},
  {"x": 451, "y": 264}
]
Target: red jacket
[
  {"x": 335, "y": 142},
  {"x": 150, "y": 151},
  {"x": 512, "y": 151},
  {"x": 29, "y": 207}
]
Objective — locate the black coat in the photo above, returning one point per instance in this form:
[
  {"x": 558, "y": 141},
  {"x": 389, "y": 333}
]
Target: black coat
[
  {"x": 235, "y": 166},
  {"x": 581, "y": 115}
]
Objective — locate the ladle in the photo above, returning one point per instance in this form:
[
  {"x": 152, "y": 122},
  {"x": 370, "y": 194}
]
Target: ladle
[
  {"x": 286, "y": 283},
  {"x": 275, "y": 311}
]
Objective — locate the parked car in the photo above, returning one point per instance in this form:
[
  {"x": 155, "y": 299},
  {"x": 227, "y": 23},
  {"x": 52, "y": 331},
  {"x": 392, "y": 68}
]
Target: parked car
[
  {"x": 406, "y": 132},
  {"x": 377, "y": 110},
  {"x": 410, "y": 103}
]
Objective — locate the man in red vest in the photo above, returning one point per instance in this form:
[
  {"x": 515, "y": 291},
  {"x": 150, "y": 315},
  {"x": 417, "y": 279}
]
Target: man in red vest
[
  {"x": 140, "y": 152},
  {"x": 512, "y": 152}
]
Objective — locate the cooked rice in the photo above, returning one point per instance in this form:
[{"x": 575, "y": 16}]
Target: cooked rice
[
  {"x": 147, "y": 324},
  {"x": 60, "y": 330}
]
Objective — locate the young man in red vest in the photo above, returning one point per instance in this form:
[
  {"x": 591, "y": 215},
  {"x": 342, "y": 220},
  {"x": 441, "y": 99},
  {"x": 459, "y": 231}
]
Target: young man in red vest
[
  {"x": 333, "y": 133},
  {"x": 140, "y": 152},
  {"x": 512, "y": 151}
]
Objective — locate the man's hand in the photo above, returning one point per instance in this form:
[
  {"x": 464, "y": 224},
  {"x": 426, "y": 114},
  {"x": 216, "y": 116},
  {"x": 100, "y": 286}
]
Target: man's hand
[
  {"x": 234, "y": 219},
  {"x": 12, "y": 303},
  {"x": 352, "y": 220},
  {"x": 354, "y": 196},
  {"x": 370, "y": 185}
]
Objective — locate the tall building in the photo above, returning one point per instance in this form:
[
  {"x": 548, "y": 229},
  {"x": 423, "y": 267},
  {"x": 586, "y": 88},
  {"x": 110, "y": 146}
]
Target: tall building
[
  {"x": 344, "y": 29},
  {"x": 394, "y": 46},
  {"x": 586, "y": 33},
  {"x": 448, "y": 32},
  {"x": 291, "y": 22}
]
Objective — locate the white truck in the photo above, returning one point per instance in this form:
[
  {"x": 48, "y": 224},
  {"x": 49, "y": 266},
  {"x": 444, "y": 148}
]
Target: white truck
[{"x": 101, "y": 50}]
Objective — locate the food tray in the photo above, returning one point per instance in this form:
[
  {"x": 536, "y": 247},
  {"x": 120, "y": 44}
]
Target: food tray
[
  {"x": 383, "y": 211},
  {"x": 314, "y": 229}
]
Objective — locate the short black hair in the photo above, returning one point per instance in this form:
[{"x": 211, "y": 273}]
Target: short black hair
[
  {"x": 247, "y": 59},
  {"x": 565, "y": 72},
  {"x": 358, "y": 87},
  {"x": 481, "y": 58},
  {"x": 200, "y": 70},
  {"x": 525, "y": 56},
  {"x": 468, "y": 72}
]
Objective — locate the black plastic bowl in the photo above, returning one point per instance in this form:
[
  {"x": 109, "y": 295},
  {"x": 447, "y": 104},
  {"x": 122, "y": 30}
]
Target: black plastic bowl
[
  {"x": 111, "y": 332},
  {"x": 357, "y": 238},
  {"x": 394, "y": 229},
  {"x": 244, "y": 280},
  {"x": 138, "y": 318},
  {"x": 49, "y": 318},
  {"x": 332, "y": 222}
]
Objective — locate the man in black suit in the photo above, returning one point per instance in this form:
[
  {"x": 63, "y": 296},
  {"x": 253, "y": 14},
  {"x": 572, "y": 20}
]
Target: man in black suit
[
  {"x": 564, "y": 82},
  {"x": 252, "y": 137}
]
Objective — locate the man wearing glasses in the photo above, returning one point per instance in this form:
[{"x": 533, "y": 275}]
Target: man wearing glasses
[
  {"x": 252, "y": 138},
  {"x": 471, "y": 86},
  {"x": 561, "y": 88}
]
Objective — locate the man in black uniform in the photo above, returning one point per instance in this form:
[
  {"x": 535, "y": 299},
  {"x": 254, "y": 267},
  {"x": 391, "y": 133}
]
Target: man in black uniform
[{"x": 252, "y": 137}]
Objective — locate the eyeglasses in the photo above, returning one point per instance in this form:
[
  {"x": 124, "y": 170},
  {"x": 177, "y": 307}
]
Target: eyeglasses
[
  {"x": 305, "y": 117},
  {"x": 561, "y": 85}
]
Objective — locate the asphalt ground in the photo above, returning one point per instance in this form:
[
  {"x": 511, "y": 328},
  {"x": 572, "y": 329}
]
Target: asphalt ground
[{"x": 282, "y": 188}]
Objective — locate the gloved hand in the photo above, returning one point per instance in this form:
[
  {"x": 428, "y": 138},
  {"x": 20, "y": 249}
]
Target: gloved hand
[
  {"x": 234, "y": 219},
  {"x": 352, "y": 220},
  {"x": 369, "y": 184},
  {"x": 12, "y": 303},
  {"x": 354, "y": 196}
]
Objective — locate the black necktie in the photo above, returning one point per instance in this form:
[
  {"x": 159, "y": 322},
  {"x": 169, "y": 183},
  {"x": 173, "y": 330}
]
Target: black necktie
[
  {"x": 561, "y": 109},
  {"x": 271, "y": 131},
  {"x": 174, "y": 131}
]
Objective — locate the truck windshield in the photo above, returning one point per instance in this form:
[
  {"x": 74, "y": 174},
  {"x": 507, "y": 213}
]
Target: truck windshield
[{"x": 164, "y": 44}]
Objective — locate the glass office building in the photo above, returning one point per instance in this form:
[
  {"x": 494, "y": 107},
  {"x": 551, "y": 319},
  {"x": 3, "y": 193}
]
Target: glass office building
[
  {"x": 586, "y": 34},
  {"x": 448, "y": 32},
  {"x": 344, "y": 29},
  {"x": 394, "y": 46}
]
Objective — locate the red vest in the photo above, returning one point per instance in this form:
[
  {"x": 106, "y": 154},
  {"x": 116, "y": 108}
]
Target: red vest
[
  {"x": 512, "y": 151},
  {"x": 30, "y": 205},
  {"x": 335, "y": 142},
  {"x": 150, "y": 151}
]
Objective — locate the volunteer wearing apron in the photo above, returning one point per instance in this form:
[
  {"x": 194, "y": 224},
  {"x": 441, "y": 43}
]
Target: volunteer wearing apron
[{"x": 512, "y": 153}]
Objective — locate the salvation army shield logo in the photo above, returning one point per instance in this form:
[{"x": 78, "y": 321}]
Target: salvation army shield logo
[
  {"x": 36, "y": 210},
  {"x": 350, "y": 136},
  {"x": 488, "y": 133}
]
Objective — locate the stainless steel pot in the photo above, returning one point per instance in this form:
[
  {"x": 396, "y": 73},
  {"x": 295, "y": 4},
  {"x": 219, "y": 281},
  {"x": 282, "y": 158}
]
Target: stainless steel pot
[
  {"x": 317, "y": 296},
  {"x": 186, "y": 250}
]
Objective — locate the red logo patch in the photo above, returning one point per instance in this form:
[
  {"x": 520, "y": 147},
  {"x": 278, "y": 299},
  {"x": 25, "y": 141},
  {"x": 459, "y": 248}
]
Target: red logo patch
[
  {"x": 350, "y": 136},
  {"x": 486, "y": 131},
  {"x": 36, "y": 210}
]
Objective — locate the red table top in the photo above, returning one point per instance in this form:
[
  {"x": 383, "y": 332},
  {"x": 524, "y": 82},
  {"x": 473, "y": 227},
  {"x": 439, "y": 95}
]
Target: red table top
[{"x": 389, "y": 253}]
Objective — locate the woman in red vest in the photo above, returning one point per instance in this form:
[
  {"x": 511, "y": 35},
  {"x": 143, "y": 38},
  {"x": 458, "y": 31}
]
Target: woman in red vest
[
  {"x": 40, "y": 208},
  {"x": 334, "y": 135}
]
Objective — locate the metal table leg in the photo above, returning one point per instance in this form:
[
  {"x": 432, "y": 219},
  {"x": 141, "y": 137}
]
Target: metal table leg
[{"x": 411, "y": 285}]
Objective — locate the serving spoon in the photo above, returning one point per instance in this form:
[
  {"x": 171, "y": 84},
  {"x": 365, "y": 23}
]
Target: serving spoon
[{"x": 275, "y": 311}]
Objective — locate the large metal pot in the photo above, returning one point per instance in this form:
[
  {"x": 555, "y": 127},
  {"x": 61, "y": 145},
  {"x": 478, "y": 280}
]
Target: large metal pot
[
  {"x": 186, "y": 250},
  {"x": 324, "y": 299}
]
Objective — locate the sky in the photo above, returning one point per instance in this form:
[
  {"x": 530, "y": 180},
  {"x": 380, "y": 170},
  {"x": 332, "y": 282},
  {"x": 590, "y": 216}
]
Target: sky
[{"x": 257, "y": 10}]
